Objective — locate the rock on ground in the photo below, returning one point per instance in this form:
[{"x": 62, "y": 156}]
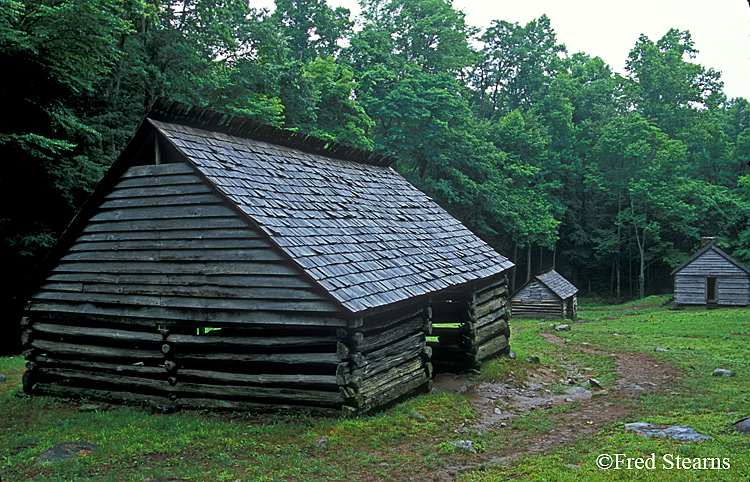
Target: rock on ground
[
  {"x": 743, "y": 425},
  {"x": 677, "y": 432},
  {"x": 467, "y": 445},
  {"x": 66, "y": 450}
]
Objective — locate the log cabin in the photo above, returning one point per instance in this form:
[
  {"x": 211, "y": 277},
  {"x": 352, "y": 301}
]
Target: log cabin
[
  {"x": 711, "y": 277},
  {"x": 225, "y": 264},
  {"x": 547, "y": 295}
]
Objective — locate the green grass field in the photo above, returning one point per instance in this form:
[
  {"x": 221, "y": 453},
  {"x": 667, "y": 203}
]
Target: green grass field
[{"x": 136, "y": 445}]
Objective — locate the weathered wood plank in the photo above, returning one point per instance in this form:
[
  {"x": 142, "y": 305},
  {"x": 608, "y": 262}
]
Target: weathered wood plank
[
  {"x": 500, "y": 327},
  {"x": 165, "y": 316},
  {"x": 229, "y": 222},
  {"x": 493, "y": 285},
  {"x": 196, "y": 291},
  {"x": 386, "y": 320},
  {"x": 297, "y": 381},
  {"x": 173, "y": 245},
  {"x": 47, "y": 361},
  {"x": 163, "y": 212},
  {"x": 157, "y": 191},
  {"x": 300, "y": 396},
  {"x": 259, "y": 281},
  {"x": 92, "y": 332},
  {"x": 150, "y": 256},
  {"x": 492, "y": 347},
  {"x": 371, "y": 367},
  {"x": 494, "y": 305},
  {"x": 81, "y": 350},
  {"x": 252, "y": 342},
  {"x": 171, "y": 234},
  {"x": 144, "y": 301},
  {"x": 383, "y": 381},
  {"x": 91, "y": 379},
  {"x": 491, "y": 318},
  {"x": 488, "y": 295},
  {"x": 158, "y": 181},
  {"x": 166, "y": 267},
  {"x": 128, "y": 203},
  {"x": 303, "y": 359},
  {"x": 373, "y": 342},
  {"x": 414, "y": 342},
  {"x": 159, "y": 170},
  {"x": 56, "y": 390},
  {"x": 399, "y": 388}
]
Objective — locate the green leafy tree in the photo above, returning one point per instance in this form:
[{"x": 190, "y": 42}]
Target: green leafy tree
[
  {"x": 339, "y": 116},
  {"x": 668, "y": 88},
  {"x": 428, "y": 33},
  {"x": 52, "y": 53},
  {"x": 311, "y": 28},
  {"x": 638, "y": 173},
  {"x": 517, "y": 65}
]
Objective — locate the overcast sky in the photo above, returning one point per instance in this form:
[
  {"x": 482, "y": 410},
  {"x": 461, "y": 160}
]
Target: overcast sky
[{"x": 608, "y": 29}]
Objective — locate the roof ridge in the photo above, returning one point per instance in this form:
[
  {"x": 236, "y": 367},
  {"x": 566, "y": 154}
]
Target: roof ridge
[{"x": 202, "y": 117}]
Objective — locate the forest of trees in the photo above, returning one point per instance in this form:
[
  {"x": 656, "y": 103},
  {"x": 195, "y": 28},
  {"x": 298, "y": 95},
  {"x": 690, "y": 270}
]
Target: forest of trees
[{"x": 550, "y": 156}]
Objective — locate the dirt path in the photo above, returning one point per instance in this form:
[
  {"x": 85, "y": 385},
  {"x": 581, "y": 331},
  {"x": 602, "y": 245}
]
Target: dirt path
[{"x": 498, "y": 402}]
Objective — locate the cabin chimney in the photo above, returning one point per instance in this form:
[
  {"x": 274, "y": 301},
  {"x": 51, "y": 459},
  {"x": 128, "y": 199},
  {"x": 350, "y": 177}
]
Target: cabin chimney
[{"x": 708, "y": 240}]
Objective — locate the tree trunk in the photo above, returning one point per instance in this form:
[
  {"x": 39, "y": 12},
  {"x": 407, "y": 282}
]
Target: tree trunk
[
  {"x": 619, "y": 239},
  {"x": 528, "y": 263},
  {"x": 619, "y": 293},
  {"x": 554, "y": 248},
  {"x": 642, "y": 254},
  {"x": 515, "y": 267},
  {"x": 541, "y": 259}
]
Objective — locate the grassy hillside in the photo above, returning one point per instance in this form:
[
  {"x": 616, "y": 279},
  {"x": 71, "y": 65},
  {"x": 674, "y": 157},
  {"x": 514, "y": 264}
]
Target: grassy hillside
[{"x": 558, "y": 442}]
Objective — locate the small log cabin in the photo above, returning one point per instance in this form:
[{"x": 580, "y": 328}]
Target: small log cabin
[
  {"x": 547, "y": 295},
  {"x": 226, "y": 264},
  {"x": 711, "y": 277}
]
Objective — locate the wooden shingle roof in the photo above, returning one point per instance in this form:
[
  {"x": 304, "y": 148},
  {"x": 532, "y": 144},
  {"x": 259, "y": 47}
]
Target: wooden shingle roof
[
  {"x": 355, "y": 226},
  {"x": 559, "y": 285}
]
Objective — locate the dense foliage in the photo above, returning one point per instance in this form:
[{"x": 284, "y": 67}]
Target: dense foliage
[{"x": 548, "y": 155}]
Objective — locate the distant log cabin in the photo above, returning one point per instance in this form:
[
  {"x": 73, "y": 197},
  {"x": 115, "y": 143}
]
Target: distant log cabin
[
  {"x": 226, "y": 264},
  {"x": 547, "y": 295},
  {"x": 711, "y": 277}
]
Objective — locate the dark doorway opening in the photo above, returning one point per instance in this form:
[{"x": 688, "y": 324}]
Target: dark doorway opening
[{"x": 712, "y": 292}]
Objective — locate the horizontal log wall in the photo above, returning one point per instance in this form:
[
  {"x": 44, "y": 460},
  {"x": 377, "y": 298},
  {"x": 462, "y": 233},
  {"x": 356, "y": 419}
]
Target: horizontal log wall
[
  {"x": 550, "y": 310},
  {"x": 489, "y": 322},
  {"x": 535, "y": 300},
  {"x": 163, "y": 246},
  {"x": 732, "y": 291},
  {"x": 733, "y": 282},
  {"x": 170, "y": 295},
  {"x": 387, "y": 358},
  {"x": 178, "y": 366}
]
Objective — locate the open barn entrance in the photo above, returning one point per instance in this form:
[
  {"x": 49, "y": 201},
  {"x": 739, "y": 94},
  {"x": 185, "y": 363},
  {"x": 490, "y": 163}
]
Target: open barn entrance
[
  {"x": 469, "y": 327},
  {"x": 451, "y": 341}
]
